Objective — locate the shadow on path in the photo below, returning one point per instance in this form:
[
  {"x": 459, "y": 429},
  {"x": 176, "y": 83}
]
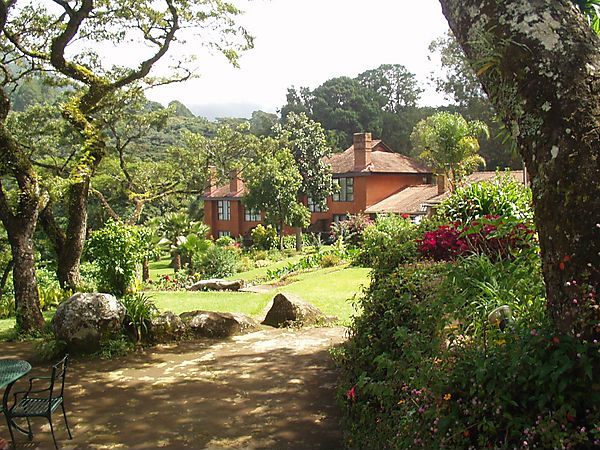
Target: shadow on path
[{"x": 273, "y": 389}]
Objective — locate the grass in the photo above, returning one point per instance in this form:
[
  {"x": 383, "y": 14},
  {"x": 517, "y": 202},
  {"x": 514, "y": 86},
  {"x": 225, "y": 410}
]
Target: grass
[
  {"x": 159, "y": 268},
  {"x": 7, "y": 326},
  {"x": 331, "y": 290}
]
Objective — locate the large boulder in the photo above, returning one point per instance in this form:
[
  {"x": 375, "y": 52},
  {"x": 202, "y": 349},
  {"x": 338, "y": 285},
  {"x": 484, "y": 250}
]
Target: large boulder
[
  {"x": 217, "y": 284},
  {"x": 218, "y": 324},
  {"x": 166, "y": 327},
  {"x": 85, "y": 319},
  {"x": 289, "y": 309}
]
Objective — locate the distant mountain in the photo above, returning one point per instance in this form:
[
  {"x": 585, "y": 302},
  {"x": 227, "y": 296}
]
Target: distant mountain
[{"x": 214, "y": 111}]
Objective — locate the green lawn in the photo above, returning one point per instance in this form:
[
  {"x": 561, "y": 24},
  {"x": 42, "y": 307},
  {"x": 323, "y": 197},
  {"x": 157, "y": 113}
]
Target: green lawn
[
  {"x": 159, "y": 268},
  {"x": 331, "y": 290}
]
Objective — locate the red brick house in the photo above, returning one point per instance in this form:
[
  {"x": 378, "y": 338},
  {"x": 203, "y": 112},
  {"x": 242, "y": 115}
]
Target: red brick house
[{"x": 366, "y": 173}]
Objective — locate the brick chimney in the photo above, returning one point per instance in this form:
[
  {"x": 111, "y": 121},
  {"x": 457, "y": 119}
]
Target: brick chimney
[
  {"x": 235, "y": 183},
  {"x": 211, "y": 183},
  {"x": 442, "y": 183},
  {"x": 362, "y": 150}
]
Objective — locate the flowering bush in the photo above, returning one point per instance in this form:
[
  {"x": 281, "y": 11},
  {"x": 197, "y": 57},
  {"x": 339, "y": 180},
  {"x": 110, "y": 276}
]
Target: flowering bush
[
  {"x": 351, "y": 230},
  {"x": 178, "y": 281},
  {"x": 443, "y": 244},
  {"x": 495, "y": 236},
  {"x": 414, "y": 375}
]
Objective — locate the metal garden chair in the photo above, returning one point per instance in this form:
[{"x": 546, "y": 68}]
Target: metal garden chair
[{"x": 33, "y": 404}]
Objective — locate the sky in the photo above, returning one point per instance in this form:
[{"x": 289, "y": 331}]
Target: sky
[{"x": 306, "y": 42}]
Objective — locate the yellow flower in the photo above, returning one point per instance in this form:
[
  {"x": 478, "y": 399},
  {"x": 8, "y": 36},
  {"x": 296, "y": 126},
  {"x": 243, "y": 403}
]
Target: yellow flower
[
  {"x": 447, "y": 397},
  {"x": 500, "y": 342}
]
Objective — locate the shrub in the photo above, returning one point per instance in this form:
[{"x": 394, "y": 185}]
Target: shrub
[
  {"x": 351, "y": 229},
  {"x": 117, "y": 249},
  {"x": 419, "y": 371},
  {"x": 217, "y": 262},
  {"x": 49, "y": 290},
  {"x": 330, "y": 260},
  {"x": 502, "y": 196},
  {"x": 175, "y": 282},
  {"x": 264, "y": 238},
  {"x": 497, "y": 237},
  {"x": 443, "y": 244},
  {"x": 388, "y": 242},
  {"x": 225, "y": 241}
]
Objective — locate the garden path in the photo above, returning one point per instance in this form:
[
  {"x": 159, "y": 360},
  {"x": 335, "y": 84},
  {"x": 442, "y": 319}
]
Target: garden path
[{"x": 273, "y": 389}]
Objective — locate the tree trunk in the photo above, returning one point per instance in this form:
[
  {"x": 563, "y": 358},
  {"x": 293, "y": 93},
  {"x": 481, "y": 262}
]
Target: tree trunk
[
  {"x": 298, "y": 239},
  {"x": 539, "y": 63},
  {"x": 69, "y": 245},
  {"x": 145, "y": 270},
  {"x": 5, "y": 275},
  {"x": 176, "y": 261},
  {"x": 281, "y": 225},
  {"x": 27, "y": 301},
  {"x": 20, "y": 221}
]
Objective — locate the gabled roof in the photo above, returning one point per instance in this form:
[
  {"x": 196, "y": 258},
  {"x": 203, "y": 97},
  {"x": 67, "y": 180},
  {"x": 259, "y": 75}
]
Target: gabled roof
[
  {"x": 383, "y": 160},
  {"x": 406, "y": 201}
]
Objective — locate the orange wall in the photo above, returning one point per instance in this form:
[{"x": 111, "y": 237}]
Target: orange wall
[
  {"x": 382, "y": 186},
  {"x": 236, "y": 225},
  {"x": 368, "y": 190}
]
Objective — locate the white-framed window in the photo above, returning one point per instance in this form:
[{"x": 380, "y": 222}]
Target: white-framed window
[
  {"x": 251, "y": 215},
  {"x": 337, "y": 218},
  {"x": 345, "y": 193},
  {"x": 224, "y": 209},
  {"x": 315, "y": 207},
  {"x": 223, "y": 233}
]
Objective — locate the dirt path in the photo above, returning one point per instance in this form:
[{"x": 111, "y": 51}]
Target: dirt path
[{"x": 273, "y": 389}]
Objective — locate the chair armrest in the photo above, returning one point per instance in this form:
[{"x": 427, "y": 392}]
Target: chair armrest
[{"x": 32, "y": 379}]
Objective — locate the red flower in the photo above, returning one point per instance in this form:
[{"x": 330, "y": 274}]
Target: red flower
[
  {"x": 561, "y": 266},
  {"x": 405, "y": 216},
  {"x": 351, "y": 394},
  {"x": 555, "y": 340},
  {"x": 570, "y": 418}
]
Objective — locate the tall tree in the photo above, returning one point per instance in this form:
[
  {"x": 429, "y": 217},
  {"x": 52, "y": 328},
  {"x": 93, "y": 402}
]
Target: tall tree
[
  {"x": 450, "y": 144},
  {"x": 539, "y": 63},
  {"x": 273, "y": 181},
  {"x": 395, "y": 84},
  {"x": 62, "y": 37},
  {"x": 341, "y": 105},
  {"x": 308, "y": 144}
]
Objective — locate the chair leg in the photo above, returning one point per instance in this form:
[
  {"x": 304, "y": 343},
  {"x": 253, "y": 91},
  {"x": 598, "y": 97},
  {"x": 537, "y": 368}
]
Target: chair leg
[
  {"x": 12, "y": 435},
  {"x": 62, "y": 405},
  {"x": 29, "y": 433},
  {"x": 52, "y": 431}
]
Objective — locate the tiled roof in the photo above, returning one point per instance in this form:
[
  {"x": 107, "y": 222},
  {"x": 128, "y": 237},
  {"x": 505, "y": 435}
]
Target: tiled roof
[
  {"x": 485, "y": 176},
  {"x": 382, "y": 160},
  {"x": 411, "y": 199},
  {"x": 406, "y": 201},
  {"x": 224, "y": 192},
  {"x": 476, "y": 177}
]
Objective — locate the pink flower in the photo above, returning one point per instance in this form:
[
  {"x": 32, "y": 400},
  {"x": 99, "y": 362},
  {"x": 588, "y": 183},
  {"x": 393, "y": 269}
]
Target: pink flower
[{"x": 351, "y": 394}]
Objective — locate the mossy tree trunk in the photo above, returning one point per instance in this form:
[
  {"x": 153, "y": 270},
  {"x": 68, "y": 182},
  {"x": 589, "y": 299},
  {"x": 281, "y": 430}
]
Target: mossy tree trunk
[{"x": 539, "y": 63}]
